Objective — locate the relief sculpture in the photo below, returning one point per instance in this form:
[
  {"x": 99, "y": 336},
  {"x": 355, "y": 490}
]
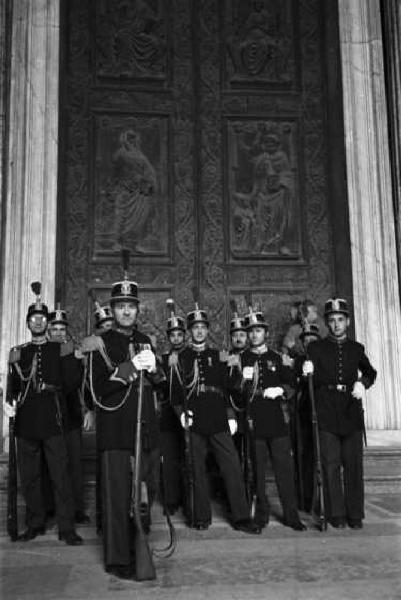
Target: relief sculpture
[
  {"x": 130, "y": 39},
  {"x": 264, "y": 206},
  {"x": 259, "y": 43},
  {"x": 131, "y": 196}
]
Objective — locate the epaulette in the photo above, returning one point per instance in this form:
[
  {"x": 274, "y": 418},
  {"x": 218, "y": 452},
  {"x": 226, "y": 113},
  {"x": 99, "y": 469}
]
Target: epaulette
[
  {"x": 67, "y": 348},
  {"x": 15, "y": 355}
]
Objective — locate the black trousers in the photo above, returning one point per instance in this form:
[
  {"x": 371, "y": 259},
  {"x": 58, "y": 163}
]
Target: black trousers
[
  {"x": 342, "y": 464},
  {"x": 116, "y": 488},
  {"x": 227, "y": 459},
  {"x": 73, "y": 441},
  {"x": 171, "y": 450},
  {"x": 283, "y": 466},
  {"x": 30, "y": 467}
]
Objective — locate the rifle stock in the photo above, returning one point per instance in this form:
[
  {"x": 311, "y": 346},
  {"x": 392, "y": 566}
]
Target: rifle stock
[
  {"x": 143, "y": 563},
  {"x": 318, "y": 506},
  {"x": 12, "y": 489}
]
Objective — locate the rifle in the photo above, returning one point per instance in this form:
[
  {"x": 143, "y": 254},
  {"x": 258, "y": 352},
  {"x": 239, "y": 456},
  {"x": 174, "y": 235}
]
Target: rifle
[
  {"x": 189, "y": 473},
  {"x": 318, "y": 507},
  {"x": 143, "y": 563},
  {"x": 12, "y": 486},
  {"x": 248, "y": 462}
]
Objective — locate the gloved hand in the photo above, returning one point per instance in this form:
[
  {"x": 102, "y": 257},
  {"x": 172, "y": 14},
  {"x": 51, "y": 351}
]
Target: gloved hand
[
  {"x": 234, "y": 360},
  {"x": 89, "y": 420},
  {"x": 10, "y": 410},
  {"x": 78, "y": 353},
  {"x": 173, "y": 359},
  {"x": 149, "y": 359},
  {"x": 223, "y": 356},
  {"x": 247, "y": 373},
  {"x": 233, "y": 425},
  {"x": 308, "y": 368},
  {"x": 145, "y": 361},
  {"x": 287, "y": 360},
  {"x": 271, "y": 393},
  {"x": 187, "y": 421},
  {"x": 358, "y": 390}
]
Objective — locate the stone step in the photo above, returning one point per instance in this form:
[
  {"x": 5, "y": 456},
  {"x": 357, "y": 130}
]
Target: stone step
[{"x": 382, "y": 474}]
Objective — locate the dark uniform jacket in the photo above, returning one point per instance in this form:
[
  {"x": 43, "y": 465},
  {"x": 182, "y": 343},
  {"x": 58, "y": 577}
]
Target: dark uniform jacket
[
  {"x": 168, "y": 420},
  {"x": 269, "y": 417},
  {"x": 336, "y": 363},
  {"x": 205, "y": 378},
  {"x": 111, "y": 373},
  {"x": 42, "y": 411}
]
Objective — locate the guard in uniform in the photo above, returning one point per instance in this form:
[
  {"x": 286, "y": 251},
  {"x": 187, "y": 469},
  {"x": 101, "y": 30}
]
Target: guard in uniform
[
  {"x": 171, "y": 435},
  {"x": 41, "y": 373},
  {"x": 80, "y": 416},
  {"x": 103, "y": 318},
  {"x": 302, "y": 421},
  {"x": 114, "y": 375},
  {"x": 264, "y": 379},
  {"x": 103, "y": 321},
  {"x": 201, "y": 397},
  {"x": 336, "y": 362},
  {"x": 239, "y": 341}
]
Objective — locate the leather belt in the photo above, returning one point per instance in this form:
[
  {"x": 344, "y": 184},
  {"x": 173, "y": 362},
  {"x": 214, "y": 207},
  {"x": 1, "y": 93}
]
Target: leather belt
[
  {"x": 337, "y": 387},
  {"x": 203, "y": 389},
  {"x": 48, "y": 387}
]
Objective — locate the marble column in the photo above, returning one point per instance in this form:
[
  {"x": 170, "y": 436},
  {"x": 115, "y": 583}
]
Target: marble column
[
  {"x": 371, "y": 213},
  {"x": 31, "y": 193}
]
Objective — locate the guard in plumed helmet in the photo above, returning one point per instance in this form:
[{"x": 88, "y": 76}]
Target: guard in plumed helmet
[
  {"x": 103, "y": 321},
  {"x": 80, "y": 415},
  {"x": 171, "y": 434},
  {"x": 341, "y": 373},
  {"x": 114, "y": 371},
  {"x": 41, "y": 373},
  {"x": 239, "y": 341},
  {"x": 265, "y": 379},
  {"x": 301, "y": 421},
  {"x": 201, "y": 395},
  {"x": 104, "y": 318}
]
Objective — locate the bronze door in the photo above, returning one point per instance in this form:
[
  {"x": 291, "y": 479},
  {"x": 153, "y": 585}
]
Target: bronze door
[{"x": 206, "y": 137}]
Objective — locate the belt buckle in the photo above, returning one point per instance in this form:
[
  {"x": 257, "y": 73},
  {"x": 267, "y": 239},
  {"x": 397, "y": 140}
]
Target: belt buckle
[{"x": 340, "y": 387}]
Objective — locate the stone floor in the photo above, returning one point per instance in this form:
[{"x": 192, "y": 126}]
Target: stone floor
[{"x": 223, "y": 564}]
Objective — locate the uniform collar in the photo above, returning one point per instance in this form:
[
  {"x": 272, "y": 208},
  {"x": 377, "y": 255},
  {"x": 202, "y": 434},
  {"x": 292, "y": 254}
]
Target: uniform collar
[
  {"x": 335, "y": 340},
  {"x": 39, "y": 340},
  {"x": 199, "y": 347},
  {"x": 260, "y": 349}
]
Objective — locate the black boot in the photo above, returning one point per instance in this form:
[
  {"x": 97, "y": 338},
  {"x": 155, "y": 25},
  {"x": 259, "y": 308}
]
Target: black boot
[{"x": 71, "y": 538}]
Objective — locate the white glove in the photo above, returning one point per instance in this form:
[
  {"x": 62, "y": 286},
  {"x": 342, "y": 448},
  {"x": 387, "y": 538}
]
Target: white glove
[
  {"x": 187, "y": 420},
  {"x": 233, "y": 425},
  {"x": 247, "y": 373},
  {"x": 358, "y": 390},
  {"x": 149, "y": 359},
  {"x": 234, "y": 360},
  {"x": 287, "y": 360},
  {"x": 308, "y": 368},
  {"x": 173, "y": 359},
  {"x": 10, "y": 410},
  {"x": 273, "y": 392},
  {"x": 89, "y": 420},
  {"x": 145, "y": 361}
]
